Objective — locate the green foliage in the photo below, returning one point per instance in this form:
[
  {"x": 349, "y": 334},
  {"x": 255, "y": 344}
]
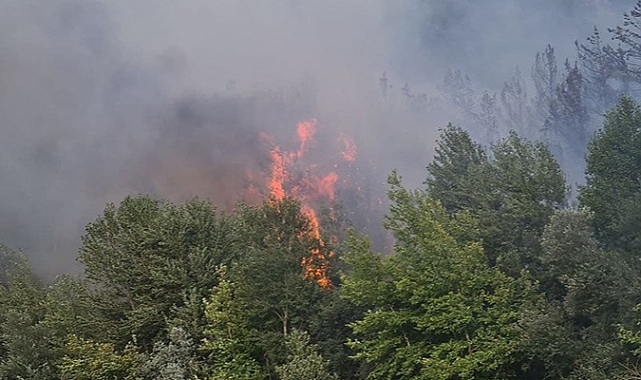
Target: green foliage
[
  {"x": 150, "y": 264},
  {"x": 456, "y": 155},
  {"x": 229, "y": 341},
  {"x": 613, "y": 189},
  {"x": 303, "y": 362},
  {"x": 26, "y": 348},
  {"x": 573, "y": 335},
  {"x": 270, "y": 279},
  {"x": 174, "y": 360},
  {"x": 512, "y": 195},
  {"x": 184, "y": 292},
  {"x": 329, "y": 329},
  {"x": 524, "y": 186},
  {"x": 88, "y": 360},
  {"x": 435, "y": 308},
  {"x": 145, "y": 258},
  {"x": 12, "y": 265}
]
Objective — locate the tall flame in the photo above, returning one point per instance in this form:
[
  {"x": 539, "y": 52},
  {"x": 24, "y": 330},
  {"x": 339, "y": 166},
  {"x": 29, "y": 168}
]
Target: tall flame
[
  {"x": 277, "y": 179},
  {"x": 309, "y": 188},
  {"x": 306, "y": 131}
]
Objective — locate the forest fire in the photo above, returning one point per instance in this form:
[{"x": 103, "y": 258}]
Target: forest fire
[{"x": 289, "y": 176}]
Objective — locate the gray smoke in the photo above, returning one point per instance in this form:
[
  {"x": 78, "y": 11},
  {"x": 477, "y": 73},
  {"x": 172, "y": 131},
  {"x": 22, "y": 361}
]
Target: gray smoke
[{"x": 101, "y": 99}]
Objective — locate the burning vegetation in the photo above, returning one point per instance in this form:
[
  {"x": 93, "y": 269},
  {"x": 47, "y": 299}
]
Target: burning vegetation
[{"x": 291, "y": 175}]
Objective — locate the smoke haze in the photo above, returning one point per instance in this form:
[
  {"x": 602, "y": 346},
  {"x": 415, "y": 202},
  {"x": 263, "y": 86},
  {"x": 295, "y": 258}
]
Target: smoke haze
[{"x": 101, "y": 99}]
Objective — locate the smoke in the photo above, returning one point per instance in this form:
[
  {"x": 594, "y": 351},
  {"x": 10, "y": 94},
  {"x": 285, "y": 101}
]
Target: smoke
[
  {"x": 488, "y": 39},
  {"x": 101, "y": 99}
]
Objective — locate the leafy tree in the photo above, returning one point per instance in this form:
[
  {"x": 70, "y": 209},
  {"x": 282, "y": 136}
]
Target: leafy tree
[
  {"x": 566, "y": 128},
  {"x": 456, "y": 155},
  {"x": 489, "y": 116},
  {"x": 613, "y": 187},
  {"x": 630, "y": 337},
  {"x": 512, "y": 196},
  {"x": 574, "y": 335},
  {"x": 13, "y": 264},
  {"x": 88, "y": 360},
  {"x": 522, "y": 188},
  {"x": 457, "y": 87},
  {"x": 231, "y": 344},
  {"x": 329, "y": 328},
  {"x": 436, "y": 310},
  {"x": 545, "y": 76},
  {"x": 630, "y": 37},
  {"x": 26, "y": 348},
  {"x": 146, "y": 258},
  {"x": 303, "y": 362},
  {"x": 273, "y": 279},
  {"x": 173, "y": 360}
]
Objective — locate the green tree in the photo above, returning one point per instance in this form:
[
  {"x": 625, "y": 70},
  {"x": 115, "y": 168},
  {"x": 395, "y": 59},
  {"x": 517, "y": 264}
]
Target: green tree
[
  {"x": 303, "y": 362},
  {"x": 27, "y": 350},
  {"x": 436, "y": 310},
  {"x": 456, "y": 156},
  {"x": 88, "y": 360},
  {"x": 521, "y": 189},
  {"x": 613, "y": 184},
  {"x": 573, "y": 335},
  {"x": 330, "y": 330},
  {"x": 512, "y": 195},
  {"x": 602, "y": 65},
  {"x": 231, "y": 345},
  {"x": 147, "y": 259},
  {"x": 173, "y": 360},
  {"x": 272, "y": 278}
]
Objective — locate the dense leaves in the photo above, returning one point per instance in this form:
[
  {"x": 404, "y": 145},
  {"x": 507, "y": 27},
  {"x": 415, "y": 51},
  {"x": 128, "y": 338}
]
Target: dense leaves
[
  {"x": 436, "y": 310},
  {"x": 613, "y": 188},
  {"x": 511, "y": 195}
]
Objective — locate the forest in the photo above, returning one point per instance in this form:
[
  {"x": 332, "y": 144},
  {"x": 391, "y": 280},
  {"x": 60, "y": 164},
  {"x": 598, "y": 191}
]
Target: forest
[
  {"x": 501, "y": 267},
  {"x": 492, "y": 276}
]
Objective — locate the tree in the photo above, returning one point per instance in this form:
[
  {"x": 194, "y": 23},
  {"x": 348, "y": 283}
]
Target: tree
[
  {"x": 330, "y": 330},
  {"x": 457, "y": 87},
  {"x": 456, "y": 155},
  {"x": 173, "y": 360},
  {"x": 630, "y": 36},
  {"x": 522, "y": 187},
  {"x": 589, "y": 292},
  {"x": 601, "y": 66},
  {"x": 231, "y": 344},
  {"x": 27, "y": 350},
  {"x": 146, "y": 258},
  {"x": 545, "y": 76},
  {"x": 565, "y": 129},
  {"x": 88, "y": 360},
  {"x": 613, "y": 186},
  {"x": 272, "y": 279},
  {"x": 303, "y": 362},
  {"x": 512, "y": 196},
  {"x": 457, "y": 90},
  {"x": 436, "y": 310},
  {"x": 489, "y": 116},
  {"x": 517, "y": 112}
]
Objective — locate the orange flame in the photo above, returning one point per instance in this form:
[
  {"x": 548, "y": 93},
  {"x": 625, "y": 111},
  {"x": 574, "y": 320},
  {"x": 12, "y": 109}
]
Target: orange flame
[
  {"x": 277, "y": 179},
  {"x": 310, "y": 188},
  {"x": 306, "y": 131}
]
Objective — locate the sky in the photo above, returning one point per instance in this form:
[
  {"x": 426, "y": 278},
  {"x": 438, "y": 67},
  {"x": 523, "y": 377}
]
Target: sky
[{"x": 104, "y": 99}]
